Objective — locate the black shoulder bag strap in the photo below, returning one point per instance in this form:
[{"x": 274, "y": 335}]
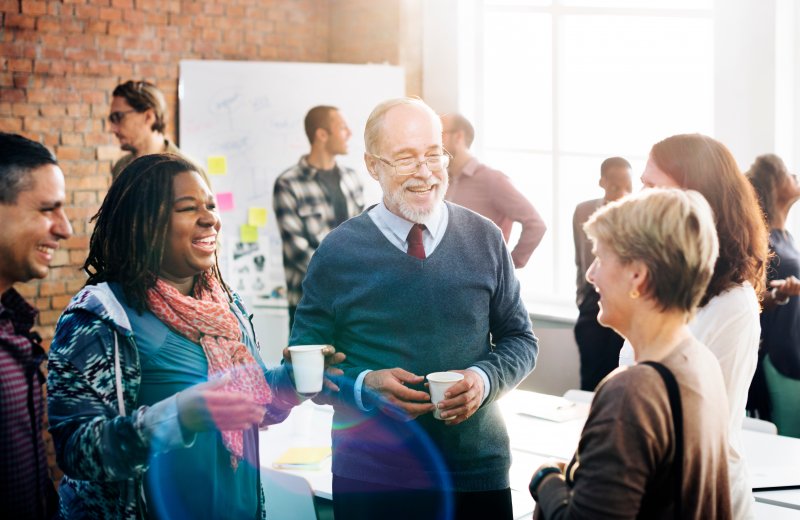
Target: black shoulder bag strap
[{"x": 677, "y": 422}]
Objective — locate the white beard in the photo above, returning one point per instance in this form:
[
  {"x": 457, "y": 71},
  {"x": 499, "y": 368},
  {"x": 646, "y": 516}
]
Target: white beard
[{"x": 397, "y": 198}]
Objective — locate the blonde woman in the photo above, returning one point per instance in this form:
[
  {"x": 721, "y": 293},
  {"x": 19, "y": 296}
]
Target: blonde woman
[{"x": 655, "y": 442}]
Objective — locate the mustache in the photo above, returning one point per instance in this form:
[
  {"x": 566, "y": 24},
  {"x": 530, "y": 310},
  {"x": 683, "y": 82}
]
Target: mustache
[{"x": 413, "y": 183}]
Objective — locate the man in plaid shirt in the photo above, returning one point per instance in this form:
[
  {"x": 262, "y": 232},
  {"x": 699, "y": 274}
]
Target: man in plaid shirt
[
  {"x": 314, "y": 196},
  {"x": 32, "y": 212}
]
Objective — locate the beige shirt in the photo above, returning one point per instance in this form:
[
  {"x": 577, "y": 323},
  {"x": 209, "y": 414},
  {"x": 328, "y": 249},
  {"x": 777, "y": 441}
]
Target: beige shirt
[
  {"x": 169, "y": 147},
  {"x": 627, "y": 446}
]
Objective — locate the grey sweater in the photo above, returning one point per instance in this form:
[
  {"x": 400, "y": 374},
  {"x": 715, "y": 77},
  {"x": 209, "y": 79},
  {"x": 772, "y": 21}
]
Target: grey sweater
[{"x": 459, "y": 307}]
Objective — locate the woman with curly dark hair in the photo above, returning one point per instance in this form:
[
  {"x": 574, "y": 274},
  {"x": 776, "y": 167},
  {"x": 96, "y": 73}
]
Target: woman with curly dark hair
[{"x": 155, "y": 388}]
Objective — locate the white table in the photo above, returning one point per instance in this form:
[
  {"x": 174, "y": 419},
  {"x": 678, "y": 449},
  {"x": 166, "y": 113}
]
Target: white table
[{"x": 773, "y": 460}]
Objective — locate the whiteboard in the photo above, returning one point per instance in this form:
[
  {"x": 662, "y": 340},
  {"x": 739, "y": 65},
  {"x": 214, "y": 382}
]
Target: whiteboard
[{"x": 252, "y": 114}]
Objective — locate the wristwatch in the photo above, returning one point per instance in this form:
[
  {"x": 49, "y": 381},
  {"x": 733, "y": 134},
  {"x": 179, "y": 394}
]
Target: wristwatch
[
  {"x": 537, "y": 478},
  {"x": 774, "y": 294}
]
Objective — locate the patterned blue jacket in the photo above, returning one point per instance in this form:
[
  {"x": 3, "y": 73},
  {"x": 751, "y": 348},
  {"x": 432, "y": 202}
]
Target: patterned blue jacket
[{"x": 103, "y": 440}]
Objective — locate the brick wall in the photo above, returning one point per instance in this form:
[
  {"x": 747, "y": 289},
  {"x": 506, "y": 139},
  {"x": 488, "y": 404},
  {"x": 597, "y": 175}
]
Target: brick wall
[
  {"x": 377, "y": 31},
  {"x": 60, "y": 60}
]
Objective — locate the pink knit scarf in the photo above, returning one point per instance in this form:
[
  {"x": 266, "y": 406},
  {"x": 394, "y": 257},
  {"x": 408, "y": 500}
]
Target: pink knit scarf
[{"x": 208, "y": 320}]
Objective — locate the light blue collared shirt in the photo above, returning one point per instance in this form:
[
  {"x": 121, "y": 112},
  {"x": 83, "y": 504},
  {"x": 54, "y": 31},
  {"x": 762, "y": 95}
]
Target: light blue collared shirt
[{"x": 395, "y": 229}]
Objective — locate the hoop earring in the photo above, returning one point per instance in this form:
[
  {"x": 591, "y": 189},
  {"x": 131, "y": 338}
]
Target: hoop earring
[{"x": 634, "y": 294}]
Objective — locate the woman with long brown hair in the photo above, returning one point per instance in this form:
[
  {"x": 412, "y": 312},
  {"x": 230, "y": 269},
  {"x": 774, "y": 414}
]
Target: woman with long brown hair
[{"x": 728, "y": 319}]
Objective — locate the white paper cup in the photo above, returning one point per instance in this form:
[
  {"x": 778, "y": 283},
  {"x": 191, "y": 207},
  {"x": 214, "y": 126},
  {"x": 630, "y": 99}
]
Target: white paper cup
[
  {"x": 308, "y": 365},
  {"x": 438, "y": 383}
]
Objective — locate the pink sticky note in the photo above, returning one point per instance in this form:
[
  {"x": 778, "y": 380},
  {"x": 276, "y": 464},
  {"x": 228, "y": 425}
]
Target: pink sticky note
[{"x": 225, "y": 201}]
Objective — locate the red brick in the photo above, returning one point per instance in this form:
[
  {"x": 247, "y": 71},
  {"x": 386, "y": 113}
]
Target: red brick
[
  {"x": 49, "y": 317},
  {"x": 71, "y": 139},
  {"x": 51, "y": 53},
  {"x": 148, "y": 5},
  {"x": 80, "y": 42},
  {"x": 37, "y": 124},
  {"x": 77, "y": 110},
  {"x": 10, "y": 124},
  {"x": 60, "y": 257},
  {"x": 53, "y": 110},
  {"x": 80, "y": 54},
  {"x": 34, "y": 7},
  {"x": 46, "y": 24},
  {"x": 97, "y": 26},
  {"x": 84, "y": 197},
  {"x": 53, "y": 40},
  {"x": 41, "y": 303},
  {"x": 20, "y": 65},
  {"x": 123, "y": 71},
  {"x": 110, "y": 14},
  {"x": 50, "y": 139},
  {"x": 79, "y": 212},
  {"x": 76, "y": 242},
  {"x": 88, "y": 12},
  {"x": 83, "y": 169},
  {"x": 54, "y": 9},
  {"x": 27, "y": 290},
  {"x": 73, "y": 286},
  {"x": 59, "y": 302},
  {"x": 24, "y": 110},
  {"x": 48, "y": 288},
  {"x": 9, "y": 6},
  {"x": 22, "y": 81},
  {"x": 12, "y": 95},
  {"x": 68, "y": 153},
  {"x": 92, "y": 182}
]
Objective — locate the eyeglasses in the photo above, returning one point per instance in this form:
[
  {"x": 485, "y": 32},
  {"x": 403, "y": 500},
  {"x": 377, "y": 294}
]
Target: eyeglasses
[
  {"x": 117, "y": 117},
  {"x": 406, "y": 167}
]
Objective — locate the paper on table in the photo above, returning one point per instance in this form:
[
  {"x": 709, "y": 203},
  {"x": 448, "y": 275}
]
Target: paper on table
[
  {"x": 552, "y": 408},
  {"x": 302, "y": 457}
]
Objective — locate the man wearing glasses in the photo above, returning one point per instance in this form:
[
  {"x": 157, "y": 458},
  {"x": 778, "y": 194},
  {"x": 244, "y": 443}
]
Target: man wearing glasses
[
  {"x": 488, "y": 191},
  {"x": 410, "y": 287},
  {"x": 138, "y": 118},
  {"x": 314, "y": 196}
]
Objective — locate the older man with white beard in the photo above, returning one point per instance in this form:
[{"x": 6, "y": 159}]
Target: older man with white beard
[{"x": 412, "y": 286}]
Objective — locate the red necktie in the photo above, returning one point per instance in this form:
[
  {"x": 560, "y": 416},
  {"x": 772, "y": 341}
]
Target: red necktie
[{"x": 415, "y": 247}]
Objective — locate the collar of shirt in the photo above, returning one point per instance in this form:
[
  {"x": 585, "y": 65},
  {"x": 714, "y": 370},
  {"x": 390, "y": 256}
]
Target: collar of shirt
[
  {"x": 18, "y": 311},
  {"x": 310, "y": 170},
  {"x": 471, "y": 167},
  {"x": 396, "y": 228}
]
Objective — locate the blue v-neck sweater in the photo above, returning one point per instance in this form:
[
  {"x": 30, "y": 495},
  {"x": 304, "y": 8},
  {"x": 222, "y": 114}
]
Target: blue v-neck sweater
[{"x": 459, "y": 307}]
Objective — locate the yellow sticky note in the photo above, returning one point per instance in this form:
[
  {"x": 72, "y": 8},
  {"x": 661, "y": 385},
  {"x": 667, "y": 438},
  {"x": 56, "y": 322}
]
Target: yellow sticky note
[
  {"x": 248, "y": 234},
  {"x": 217, "y": 165},
  {"x": 301, "y": 457},
  {"x": 257, "y": 216}
]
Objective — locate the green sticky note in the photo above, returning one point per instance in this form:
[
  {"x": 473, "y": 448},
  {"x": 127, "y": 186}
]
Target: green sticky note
[
  {"x": 248, "y": 234},
  {"x": 257, "y": 216},
  {"x": 217, "y": 165}
]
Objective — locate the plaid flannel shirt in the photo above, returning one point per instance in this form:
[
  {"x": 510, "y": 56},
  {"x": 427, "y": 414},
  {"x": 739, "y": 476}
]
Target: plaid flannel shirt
[
  {"x": 26, "y": 490},
  {"x": 305, "y": 217}
]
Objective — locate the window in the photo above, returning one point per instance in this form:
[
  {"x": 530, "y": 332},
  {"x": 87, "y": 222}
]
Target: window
[{"x": 561, "y": 85}]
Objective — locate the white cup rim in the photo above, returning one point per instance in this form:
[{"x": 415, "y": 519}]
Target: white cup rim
[
  {"x": 306, "y": 348},
  {"x": 445, "y": 377}
]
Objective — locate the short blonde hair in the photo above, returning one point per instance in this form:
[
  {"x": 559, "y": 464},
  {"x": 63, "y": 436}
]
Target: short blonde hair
[
  {"x": 372, "y": 130},
  {"x": 670, "y": 231}
]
